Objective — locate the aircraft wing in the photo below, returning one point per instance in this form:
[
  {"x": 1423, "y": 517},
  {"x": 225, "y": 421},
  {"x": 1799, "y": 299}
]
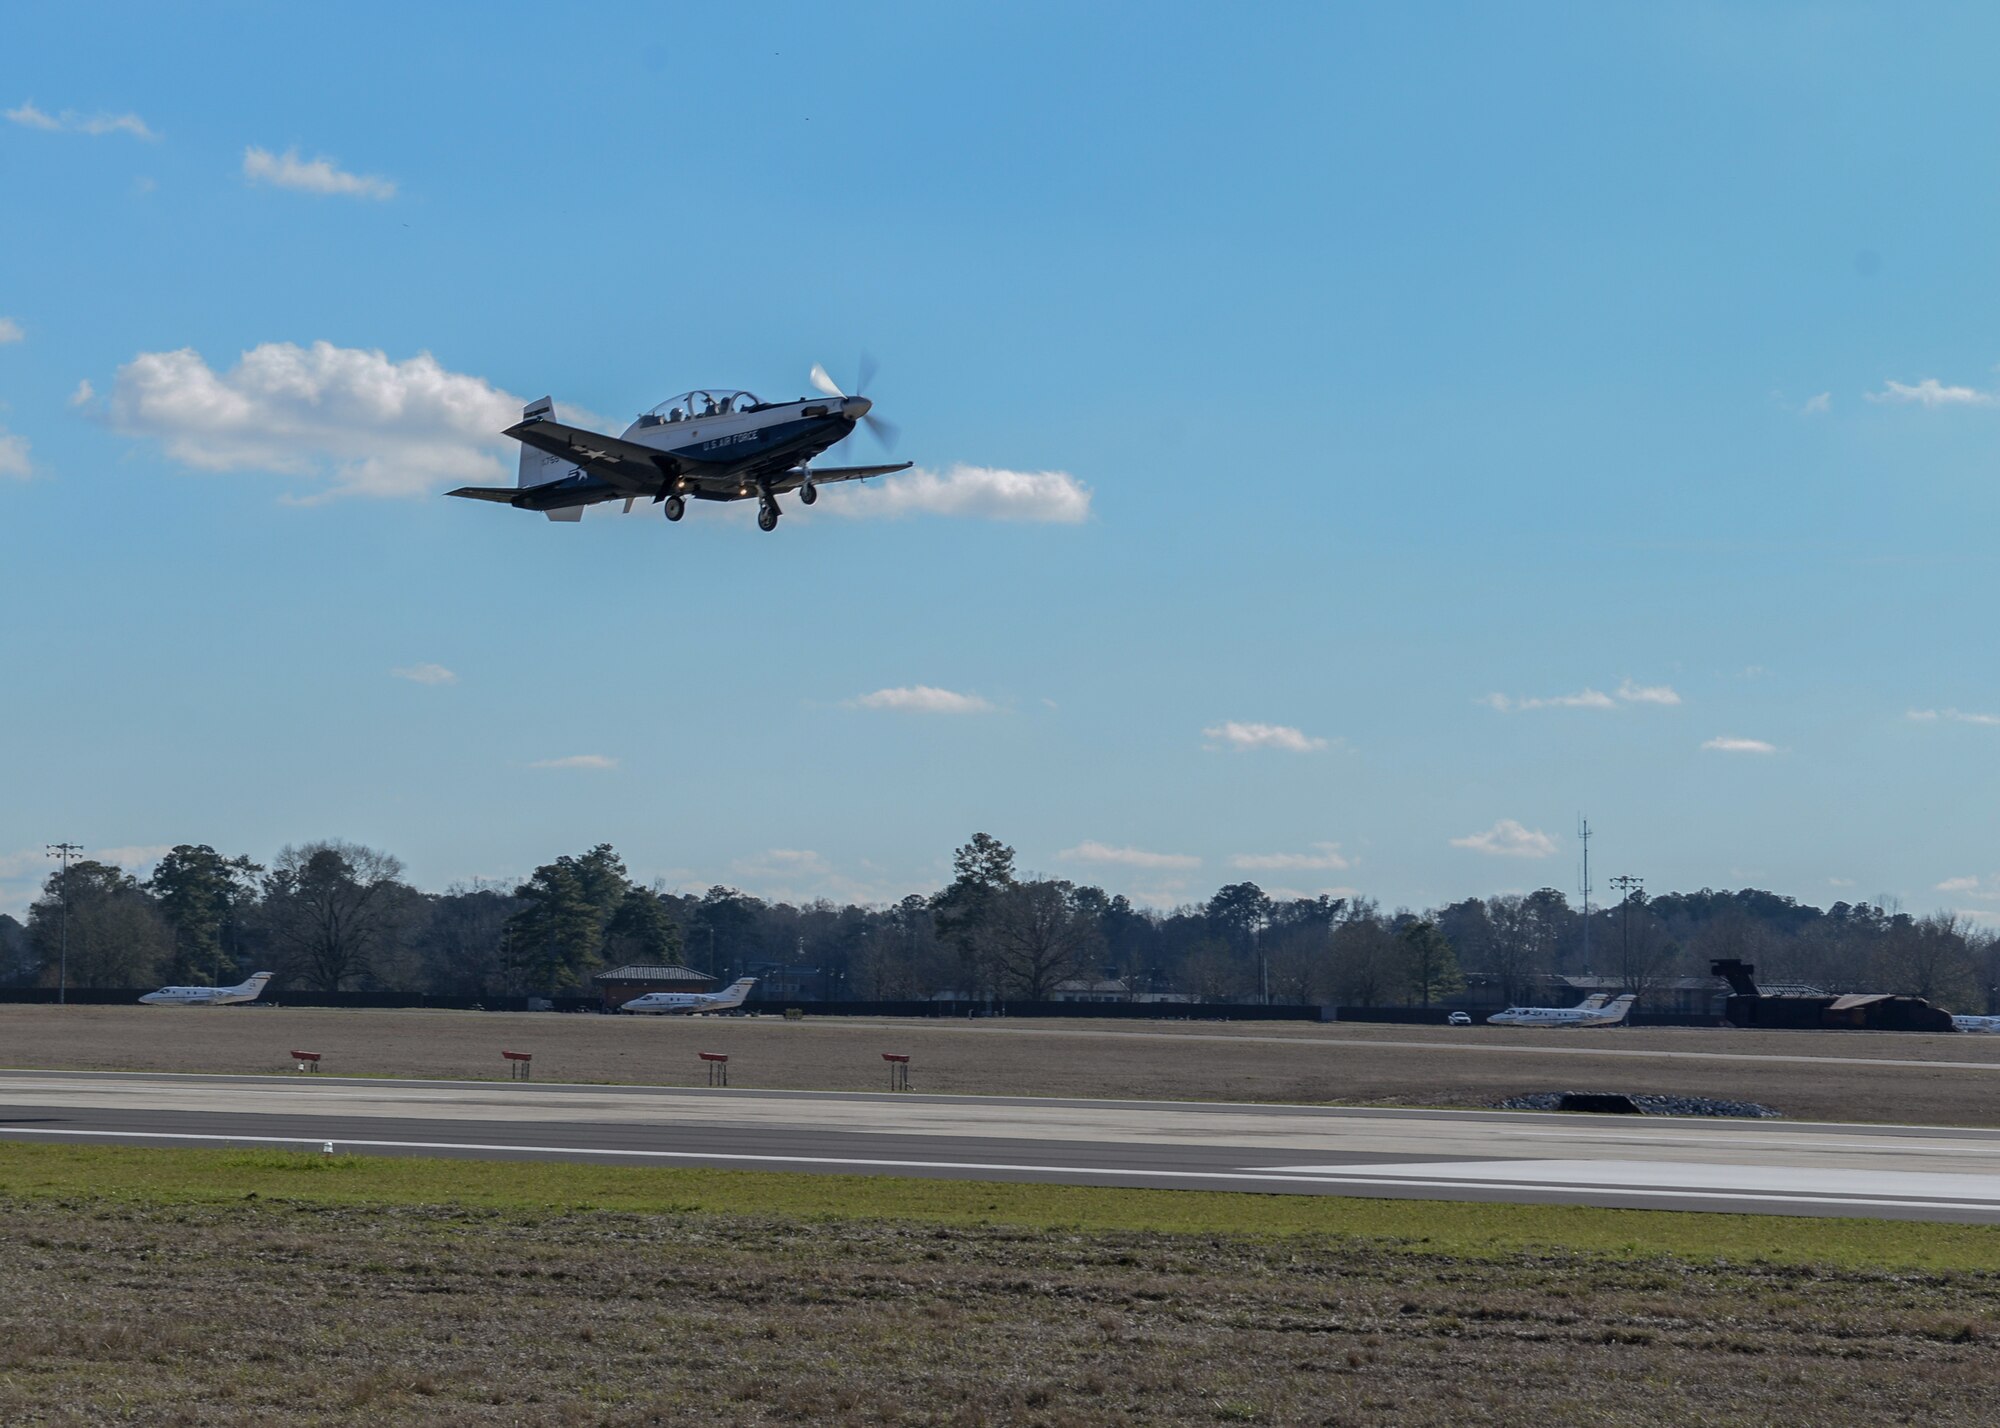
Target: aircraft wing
[
  {"x": 634, "y": 469},
  {"x": 824, "y": 474}
]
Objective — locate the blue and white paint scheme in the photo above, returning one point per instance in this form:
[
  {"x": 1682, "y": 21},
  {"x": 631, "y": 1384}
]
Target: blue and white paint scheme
[
  {"x": 1987, "y": 1024},
  {"x": 209, "y": 996},
  {"x": 715, "y": 445}
]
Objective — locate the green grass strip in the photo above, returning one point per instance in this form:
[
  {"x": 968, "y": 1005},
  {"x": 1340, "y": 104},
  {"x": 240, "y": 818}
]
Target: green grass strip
[{"x": 1462, "y": 1230}]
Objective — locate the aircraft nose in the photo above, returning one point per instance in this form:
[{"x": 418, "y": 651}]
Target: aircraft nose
[{"x": 855, "y": 408}]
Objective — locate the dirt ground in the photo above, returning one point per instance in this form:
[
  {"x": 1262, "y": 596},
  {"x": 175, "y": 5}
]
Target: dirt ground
[
  {"x": 1291, "y": 1062},
  {"x": 275, "y": 1313}
]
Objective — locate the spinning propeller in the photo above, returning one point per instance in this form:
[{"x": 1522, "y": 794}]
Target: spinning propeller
[{"x": 858, "y": 406}]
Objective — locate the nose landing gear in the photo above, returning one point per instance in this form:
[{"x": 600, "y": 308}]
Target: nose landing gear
[{"x": 767, "y": 515}]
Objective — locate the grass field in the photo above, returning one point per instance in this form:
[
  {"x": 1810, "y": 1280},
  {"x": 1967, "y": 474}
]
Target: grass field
[
  {"x": 219, "y": 1287},
  {"x": 1296, "y": 1062}
]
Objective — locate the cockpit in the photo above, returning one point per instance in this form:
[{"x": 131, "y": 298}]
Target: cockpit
[{"x": 691, "y": 406}]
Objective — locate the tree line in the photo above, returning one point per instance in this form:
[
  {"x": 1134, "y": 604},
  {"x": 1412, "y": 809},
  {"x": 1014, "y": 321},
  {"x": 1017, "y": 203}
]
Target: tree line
[{"x": 337, "y": 916}]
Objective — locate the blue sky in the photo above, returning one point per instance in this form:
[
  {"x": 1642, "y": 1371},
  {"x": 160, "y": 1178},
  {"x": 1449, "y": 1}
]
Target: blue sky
[{"x": 1478, "y": 416}]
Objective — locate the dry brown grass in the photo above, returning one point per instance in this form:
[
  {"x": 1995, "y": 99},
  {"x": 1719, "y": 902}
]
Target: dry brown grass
[
  {"x": 1294, "y": 1062},
  {"x": 274, "y": 1313}
]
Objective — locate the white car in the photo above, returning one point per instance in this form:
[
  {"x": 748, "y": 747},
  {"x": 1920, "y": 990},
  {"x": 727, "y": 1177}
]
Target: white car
[{"x": 1459, "y": 1019}]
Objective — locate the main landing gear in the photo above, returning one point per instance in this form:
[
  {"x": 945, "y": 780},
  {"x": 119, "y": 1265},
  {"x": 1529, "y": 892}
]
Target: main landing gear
[
  {"x": 767, "y": 514},
  {"x": 676, "y": 508},
  {"x": 808, "y": 493}
]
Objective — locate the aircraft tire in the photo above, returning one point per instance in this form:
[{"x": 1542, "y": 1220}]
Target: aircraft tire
[
  {"x": 767, "y": 517},
  {"x": 676, "y": 508},
  {"x": 808, "y": 493}
]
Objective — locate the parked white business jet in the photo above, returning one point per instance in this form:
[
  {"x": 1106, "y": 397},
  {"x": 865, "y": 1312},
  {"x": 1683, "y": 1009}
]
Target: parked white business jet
[
  {"x": 208, "y": 996},
  {"x": 1591, "y": 1011},
  {"x": 727, "y": 999},
  {"x": 1976, "y": 1023}
]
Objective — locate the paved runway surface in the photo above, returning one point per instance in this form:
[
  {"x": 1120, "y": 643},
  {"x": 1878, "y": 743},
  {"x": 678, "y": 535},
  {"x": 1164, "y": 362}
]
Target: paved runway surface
[{"x": 1758, "y": 1166}]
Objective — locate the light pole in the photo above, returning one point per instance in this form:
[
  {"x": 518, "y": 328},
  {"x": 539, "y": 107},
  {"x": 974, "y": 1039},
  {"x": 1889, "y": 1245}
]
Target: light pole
[
  {"x": 64, "y": 851},
  {"x": 1632, "y": 888}
]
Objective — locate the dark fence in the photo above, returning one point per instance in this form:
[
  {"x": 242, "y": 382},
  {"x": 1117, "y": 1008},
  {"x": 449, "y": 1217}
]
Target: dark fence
[
  {"x": 1121, "y": 1011},
  {"x": 367, "y": 1001},
  {"x": 1109, "y": 1011}
]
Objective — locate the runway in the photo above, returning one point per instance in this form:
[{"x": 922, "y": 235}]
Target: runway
[{"x": 1903, "y": 1172}]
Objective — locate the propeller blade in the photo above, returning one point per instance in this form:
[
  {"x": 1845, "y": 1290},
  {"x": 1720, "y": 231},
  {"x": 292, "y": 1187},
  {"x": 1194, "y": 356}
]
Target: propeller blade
[
  {"x": 883, "y": 430},
  {"x": 825, "y": 383},
  {"x": 864, "y": 374}
]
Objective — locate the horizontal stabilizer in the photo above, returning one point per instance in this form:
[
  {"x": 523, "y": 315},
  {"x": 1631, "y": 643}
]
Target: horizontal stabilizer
[
  {"x": 503, "y": 494},
  {"x": 822, "y": 474}
]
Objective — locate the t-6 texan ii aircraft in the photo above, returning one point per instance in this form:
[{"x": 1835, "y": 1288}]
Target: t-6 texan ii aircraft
[{"x": 711, "y": 446}]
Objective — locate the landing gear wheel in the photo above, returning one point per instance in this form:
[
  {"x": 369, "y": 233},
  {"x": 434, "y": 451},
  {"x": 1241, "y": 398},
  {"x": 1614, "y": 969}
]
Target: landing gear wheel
[
  {"x": 676, "y": 508},
  {"x": 767, "y": 516},
  {"x": 809, "y": 493}
]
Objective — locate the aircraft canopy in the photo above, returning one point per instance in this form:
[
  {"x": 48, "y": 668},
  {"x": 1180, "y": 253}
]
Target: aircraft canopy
[{"x": 689, "y": 405}]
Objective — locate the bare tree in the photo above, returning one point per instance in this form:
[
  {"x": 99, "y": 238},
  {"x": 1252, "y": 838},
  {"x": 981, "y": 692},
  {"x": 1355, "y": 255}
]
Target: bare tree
[
  {"x": 332, "y": 907},
  {"x": 1040, "y": 936}
]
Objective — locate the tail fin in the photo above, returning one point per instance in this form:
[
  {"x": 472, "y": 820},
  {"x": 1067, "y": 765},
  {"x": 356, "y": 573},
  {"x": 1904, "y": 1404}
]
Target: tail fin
[
  {"x": 538, "y": 467},
  {"x": 1622, "y": 1007},
  {"x": 1594, "y": 1002},
  {"x": 254, "y": 984}
]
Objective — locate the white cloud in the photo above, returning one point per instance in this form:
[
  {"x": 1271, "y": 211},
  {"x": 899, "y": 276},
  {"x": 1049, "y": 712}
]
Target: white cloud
[
  {"x": 10, "y": 331},
  {"x": 983, "y": 492},
  {"x": 922, "y": 699},
  {"x": 426, "y": 674},
  {"x": 1091, "y": 851},
  {"x": 1163, "y": 897},
  {"x": 343, "y": 415},
  {"x": 786, "y": 865},
  {"x": 71, "y": 122},
  {"x": 1583, "y": 699},
  {"x": 23, "y": 871},
  {"x": 14, "y": 456},
  {"x": 1240, "y": 735},
  {"x": 83, "y": 394},
  {"x": 1931, "y": 394},
  {"x": 288, "y": 170},
  {"x": 1325, "y": 856},
  {"x": 1508, "y": 839},
  {"x": 576, "y": 761},
  {"x": 1648, "y": 693},
  {"x": 1957, "y": 716},
  {"x": 1627, "y": 692},
  {"x": 1819, "y": 405},
  {"x": 1979, "y": 889},
  {"x": 1729, "y": 744},
  {"x": 1294, "y": 894}
]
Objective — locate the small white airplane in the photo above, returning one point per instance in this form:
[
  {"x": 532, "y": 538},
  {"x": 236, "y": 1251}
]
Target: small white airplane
[
  {"x": 209, "y": 996},
  {"x": 1591, "y": 1011},
  {"x": 711, "y": 446},
  {"x": 727, "y": 999},
  {"x": 1976, "y": 1023}
]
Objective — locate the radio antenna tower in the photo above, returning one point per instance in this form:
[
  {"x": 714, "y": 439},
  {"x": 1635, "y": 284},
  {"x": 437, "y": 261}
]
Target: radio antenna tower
[{"x": 1583, "y": 837}]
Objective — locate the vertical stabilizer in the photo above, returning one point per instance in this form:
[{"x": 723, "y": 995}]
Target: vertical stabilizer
[{"x": 538, "y": 467}]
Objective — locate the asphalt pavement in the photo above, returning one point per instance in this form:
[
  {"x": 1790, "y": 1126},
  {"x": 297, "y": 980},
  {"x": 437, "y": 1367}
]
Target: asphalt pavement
[{"x": 1903, "y": 1172}]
